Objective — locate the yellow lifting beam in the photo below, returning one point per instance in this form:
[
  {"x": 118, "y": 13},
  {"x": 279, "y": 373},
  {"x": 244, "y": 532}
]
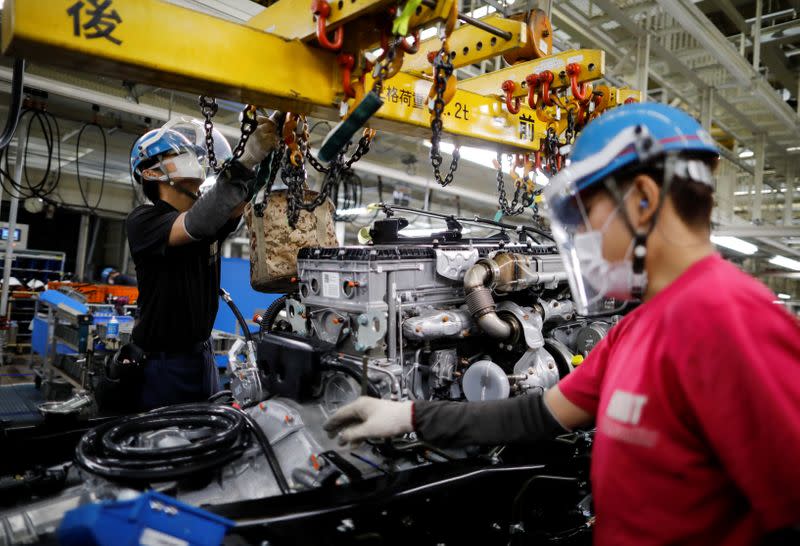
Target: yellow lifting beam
[
  {"x": 293, "y": 20},
  {"x": 470, "y": 45},
  {"x": 591, "y": 61},
  {"x": 128, "y": 40},
  {"x": 196, "y": 53},
  {"x": 473, "y": 119}
]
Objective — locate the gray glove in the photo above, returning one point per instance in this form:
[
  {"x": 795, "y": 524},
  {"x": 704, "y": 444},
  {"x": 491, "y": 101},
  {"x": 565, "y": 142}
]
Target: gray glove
[
  {"x": 210, "y": 212},
  {"x": 260, "y": 143}
]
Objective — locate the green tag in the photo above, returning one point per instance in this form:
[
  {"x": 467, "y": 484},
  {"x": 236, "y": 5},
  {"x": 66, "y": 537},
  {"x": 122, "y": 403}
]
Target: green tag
[
  {"x": 498, "y": 215},
  {"x": 400, "y": 25}
]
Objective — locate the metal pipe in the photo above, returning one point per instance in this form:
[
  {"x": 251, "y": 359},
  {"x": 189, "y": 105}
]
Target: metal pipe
[
  {"x": 12, "y": 226},
  {"x": 757, "y": 35},
  {"x": 481, "y": 304},
  {"x": 83, "y": 240},
  {"x": 477, "y": 23}
]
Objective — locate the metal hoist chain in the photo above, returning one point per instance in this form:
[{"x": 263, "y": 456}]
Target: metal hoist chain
[
  {"x": 208, "y": 108},
  {"x": 551, "y": 151},
  {"x": 522, "y": 198},
  {"x": 295, "y": 176},
  {"x": 442, "y": 70},
  {"x": 569, "y": 134}
]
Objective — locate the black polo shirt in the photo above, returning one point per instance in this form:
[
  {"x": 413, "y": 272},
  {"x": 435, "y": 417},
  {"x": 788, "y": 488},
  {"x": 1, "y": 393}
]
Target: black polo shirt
[{"x": 178, "y": 285}]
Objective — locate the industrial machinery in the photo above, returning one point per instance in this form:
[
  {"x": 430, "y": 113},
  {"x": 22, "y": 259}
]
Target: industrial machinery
[{"x": 445, "y": 318}]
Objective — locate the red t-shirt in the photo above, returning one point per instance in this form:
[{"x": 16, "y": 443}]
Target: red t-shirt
[{"x": 697, "y": 402}]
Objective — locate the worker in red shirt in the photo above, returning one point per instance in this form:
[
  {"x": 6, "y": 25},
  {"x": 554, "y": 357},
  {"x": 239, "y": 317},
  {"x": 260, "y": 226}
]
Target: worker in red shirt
[{"x": 695, "y": 394}]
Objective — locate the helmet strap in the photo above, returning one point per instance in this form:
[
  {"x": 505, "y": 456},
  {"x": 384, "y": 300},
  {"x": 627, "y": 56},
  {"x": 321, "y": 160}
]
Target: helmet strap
[{"x": 640, "y": 237}]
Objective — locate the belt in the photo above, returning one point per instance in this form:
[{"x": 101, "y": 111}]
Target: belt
[{"x": 196, "y": 349}]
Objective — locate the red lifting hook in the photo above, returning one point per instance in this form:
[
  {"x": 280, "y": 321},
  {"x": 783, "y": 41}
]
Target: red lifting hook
[
  {"x": 322, "y": 10},
  {"x": 578, "y": 91},
  {"x": 347, "y": 62},
  {"x": 532, "y": 80},
  {"x": 511, "y": 103},
  {"x": 546, "y": 78}
]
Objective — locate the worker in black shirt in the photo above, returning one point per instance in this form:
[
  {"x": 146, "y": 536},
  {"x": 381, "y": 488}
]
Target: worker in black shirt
[{"x": 175, "y": 246}]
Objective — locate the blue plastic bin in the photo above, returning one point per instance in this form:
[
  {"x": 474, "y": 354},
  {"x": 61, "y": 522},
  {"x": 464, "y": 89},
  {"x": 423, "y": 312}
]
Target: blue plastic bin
[{"x": 150, "y": 519}]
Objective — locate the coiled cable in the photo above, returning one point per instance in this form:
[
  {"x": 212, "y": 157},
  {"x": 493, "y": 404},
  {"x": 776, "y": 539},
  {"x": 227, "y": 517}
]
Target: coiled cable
[
  {"x": 110, "y": 450},
  {"x": 84, "y": 195}
]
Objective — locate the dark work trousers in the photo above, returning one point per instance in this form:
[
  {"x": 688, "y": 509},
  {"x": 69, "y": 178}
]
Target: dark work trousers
[{"x": 175, "y": 378}]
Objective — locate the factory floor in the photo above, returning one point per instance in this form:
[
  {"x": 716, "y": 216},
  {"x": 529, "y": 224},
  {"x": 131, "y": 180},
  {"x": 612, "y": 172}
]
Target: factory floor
[
  {"x": 19, "y": 396},
  {"x": 18, "y": 371}
]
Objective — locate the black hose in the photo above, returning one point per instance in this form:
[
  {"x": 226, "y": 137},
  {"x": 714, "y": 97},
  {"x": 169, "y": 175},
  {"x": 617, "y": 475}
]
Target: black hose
[
  {"x": 238, "y": 314},
  {"x": 84, "y": 195},
  {"x": 17, "y": 85},
  {"x": 51, "y": 134},
  {"x": 269, "y": 316},
  {"x": 269, "y": 453},
  {"x": 110, "y": 450}
]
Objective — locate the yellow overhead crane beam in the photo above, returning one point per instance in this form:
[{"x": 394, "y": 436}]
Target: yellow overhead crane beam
[
  {"x": 470, "y": 45},
  {"x": 292, "y": 19},
  {"x": 591, "y": 61},
  {"x": 206, "y": 55}
]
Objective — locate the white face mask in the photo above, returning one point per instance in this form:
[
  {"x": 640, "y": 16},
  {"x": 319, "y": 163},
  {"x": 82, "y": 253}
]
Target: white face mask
[{"x": 610, "y": 279}]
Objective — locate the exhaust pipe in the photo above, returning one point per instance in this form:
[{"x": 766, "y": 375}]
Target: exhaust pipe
[{"x": 504, "y": 272}]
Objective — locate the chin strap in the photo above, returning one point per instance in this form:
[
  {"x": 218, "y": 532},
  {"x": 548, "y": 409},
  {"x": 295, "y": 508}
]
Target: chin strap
[
  {"x": 640, "y": 238},
  {"x": 192, "y": 195}
]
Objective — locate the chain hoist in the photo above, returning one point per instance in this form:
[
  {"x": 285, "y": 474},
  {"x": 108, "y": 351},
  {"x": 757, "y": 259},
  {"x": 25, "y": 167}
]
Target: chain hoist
[
  {"x": 522, "y": 197},
  {"x": 208, "y": 108},
  {"x": 442, "y": 70}
]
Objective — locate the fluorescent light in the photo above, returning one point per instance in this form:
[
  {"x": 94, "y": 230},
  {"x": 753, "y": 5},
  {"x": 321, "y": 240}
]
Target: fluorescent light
[
  {"x": 752, "y": 192},
  {"x": 479, "y": 156},
  {"x": 428, "y": 33},
  {"x": 789, "y": 149},
  {"x": 744, "y": 154},
  {"x": 788, "y": 263},
  {"x": 481, "y": 12},
  {"x": 784, "y": 296},
  {"x": 734, "y": 243},
  {"x": 355, "y": 211}
]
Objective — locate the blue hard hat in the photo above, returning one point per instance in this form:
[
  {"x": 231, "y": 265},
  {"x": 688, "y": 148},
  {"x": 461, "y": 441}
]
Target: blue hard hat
[
  {"x": 106, "y": 273},
  {"x": 629, "y": 135},
  {"x": 157, "y": 142},
  {"x": 671, "y": 130}
]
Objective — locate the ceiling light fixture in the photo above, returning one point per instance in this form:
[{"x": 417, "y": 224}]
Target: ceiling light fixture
[
  {"x": 783, "y": 261},
  {"x": 734, "y": 243}
]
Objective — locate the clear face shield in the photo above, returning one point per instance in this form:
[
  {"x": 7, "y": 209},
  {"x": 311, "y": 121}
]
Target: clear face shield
[
  {"x": 184, "y": 167},
  {"x": 596, "y": 284},
  {"x": 194, "y": 131}
]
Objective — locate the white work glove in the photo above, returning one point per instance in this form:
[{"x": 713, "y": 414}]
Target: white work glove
[
  {"x": 260, "y": 143},
  {"x": 370, "y": 418}
]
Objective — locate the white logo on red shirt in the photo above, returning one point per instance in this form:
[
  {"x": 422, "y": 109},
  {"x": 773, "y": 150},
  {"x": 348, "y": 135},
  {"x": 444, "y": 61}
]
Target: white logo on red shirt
[
  {"x": 623, "y": 413},
  {"x": 626, "y": 407}
]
